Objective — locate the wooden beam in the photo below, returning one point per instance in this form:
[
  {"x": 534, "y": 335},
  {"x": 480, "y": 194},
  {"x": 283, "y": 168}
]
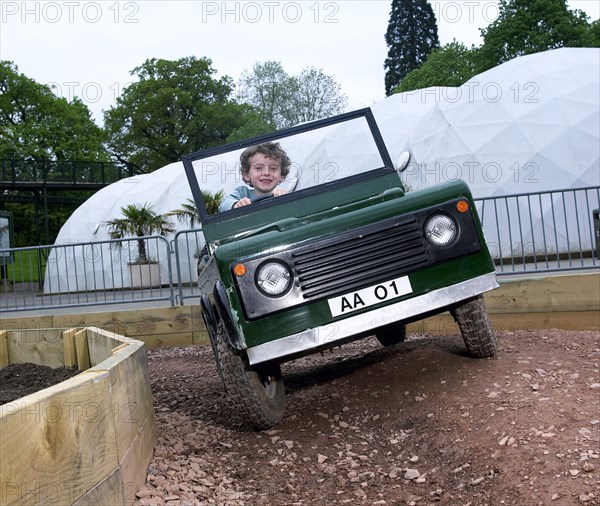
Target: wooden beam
[
  {"x": 62, "y": 434},
  {"x": 82, "y": 350},
  {"x": 4, "y": 357},
  {"x": 37, "y": 346},
  {"x": 69, "y": 351}
]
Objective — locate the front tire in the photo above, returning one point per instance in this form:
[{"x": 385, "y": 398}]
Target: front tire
[
  {"x": 475, "y": 326},
  {"x": 257, "y": 392}
]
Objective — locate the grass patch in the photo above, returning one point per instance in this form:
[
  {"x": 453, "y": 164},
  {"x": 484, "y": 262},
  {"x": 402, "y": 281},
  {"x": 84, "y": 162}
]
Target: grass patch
[{"x": 28, "y": 266}]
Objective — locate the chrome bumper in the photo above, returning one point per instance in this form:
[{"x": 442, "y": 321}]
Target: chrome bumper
[{"x": 339, "y": 330}]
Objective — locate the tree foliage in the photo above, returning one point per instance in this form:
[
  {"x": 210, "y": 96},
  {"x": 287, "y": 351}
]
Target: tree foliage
[
  {"x": 316, "y": 96},
  {"x": 451, "y": 65},
  {"x": 523, "y": 27},
  {"x": 530, "y": 26},
  {"x": 410, "y": 37},
  {"x": 37, "y": 125},
  {"x": 285, "y": 100},
  {"x": 592, "y": 36},
  {"x": 175, "y": 107}
]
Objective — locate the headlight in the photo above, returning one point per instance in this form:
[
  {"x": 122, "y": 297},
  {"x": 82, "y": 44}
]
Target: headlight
[
  {"x": 440, "y": 230},
  {"x": 273, "y": 278}
]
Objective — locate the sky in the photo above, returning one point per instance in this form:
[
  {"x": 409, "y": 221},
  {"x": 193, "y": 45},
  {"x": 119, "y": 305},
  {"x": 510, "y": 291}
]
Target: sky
[{"x": 88, "y": 48}]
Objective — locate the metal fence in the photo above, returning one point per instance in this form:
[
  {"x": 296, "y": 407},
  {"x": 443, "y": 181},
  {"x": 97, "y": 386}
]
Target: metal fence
[
  {"x": 187, "y": 247},
  {"x": 542, "y": 231},
  {"x": 526, "y": 233},
  {"x": 18, "y": 173},
  {"x": 85, "y": 274}
]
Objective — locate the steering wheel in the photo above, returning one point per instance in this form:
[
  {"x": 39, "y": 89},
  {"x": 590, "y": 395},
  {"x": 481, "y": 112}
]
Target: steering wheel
[{"x": 262, "y": 197}]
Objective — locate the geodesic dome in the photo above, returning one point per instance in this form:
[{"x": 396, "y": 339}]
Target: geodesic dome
[{"x": 529, "y": 125}]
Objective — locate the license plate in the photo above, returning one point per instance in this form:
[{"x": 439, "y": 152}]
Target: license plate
[{"x": 370, "y": 296}]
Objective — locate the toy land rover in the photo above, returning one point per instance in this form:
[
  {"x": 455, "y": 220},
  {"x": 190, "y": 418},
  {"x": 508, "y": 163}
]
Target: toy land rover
[{"x": 346, "y": 253}]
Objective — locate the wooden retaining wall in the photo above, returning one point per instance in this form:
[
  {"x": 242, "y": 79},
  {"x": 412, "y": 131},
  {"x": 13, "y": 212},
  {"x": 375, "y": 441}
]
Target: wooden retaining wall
[
  {"x": 87, "y": 440},
  {"x": 569, "y": 302},
  {"x": 562, "y": 301}
]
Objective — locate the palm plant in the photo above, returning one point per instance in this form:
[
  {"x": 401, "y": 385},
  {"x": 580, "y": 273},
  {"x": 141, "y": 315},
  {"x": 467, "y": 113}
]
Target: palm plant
[
  {"x": 186, "y": 213},
  {"x": 212, "y": 201},
  {"x": 189, "y": 213},
  {"x": 139, "y": 220}
]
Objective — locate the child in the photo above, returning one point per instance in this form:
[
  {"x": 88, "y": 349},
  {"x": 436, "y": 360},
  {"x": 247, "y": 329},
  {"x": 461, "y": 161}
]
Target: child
[{"x": 263, "y": 167}]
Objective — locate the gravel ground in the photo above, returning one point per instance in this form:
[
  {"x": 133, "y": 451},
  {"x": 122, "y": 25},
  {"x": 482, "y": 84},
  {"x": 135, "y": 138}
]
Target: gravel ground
[{"x": 417, "y": 423}]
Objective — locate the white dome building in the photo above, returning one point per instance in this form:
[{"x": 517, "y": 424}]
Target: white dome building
[{"x": 529, "y": 125}]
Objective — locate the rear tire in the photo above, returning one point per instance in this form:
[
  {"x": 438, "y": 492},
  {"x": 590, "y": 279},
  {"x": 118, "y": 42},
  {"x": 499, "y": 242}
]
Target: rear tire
[
  {"x": 475, "y": 326},
  {"x": 391, "y": 334},
  {"x": 257, "y": 392}
]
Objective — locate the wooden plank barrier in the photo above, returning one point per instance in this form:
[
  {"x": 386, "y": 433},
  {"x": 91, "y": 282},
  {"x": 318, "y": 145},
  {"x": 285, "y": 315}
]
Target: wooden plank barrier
[
  {"x": 4, "y": 359},
  {"x": 87, "y": 440},
  {"x": 570, "y": 302}
]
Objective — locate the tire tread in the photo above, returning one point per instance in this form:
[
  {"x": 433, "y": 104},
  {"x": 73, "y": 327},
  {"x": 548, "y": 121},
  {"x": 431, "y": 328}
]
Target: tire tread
[
  {"x": 476, "y": 329},
  {"x": 244, "y": 388}
]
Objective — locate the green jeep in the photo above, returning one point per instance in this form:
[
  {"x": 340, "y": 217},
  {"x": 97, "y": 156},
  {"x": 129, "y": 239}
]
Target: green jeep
[{"x": 346, "y": 253}]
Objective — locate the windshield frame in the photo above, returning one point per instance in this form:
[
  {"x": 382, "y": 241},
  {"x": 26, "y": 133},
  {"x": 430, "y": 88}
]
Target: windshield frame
[{"x": 365, "y": 113}]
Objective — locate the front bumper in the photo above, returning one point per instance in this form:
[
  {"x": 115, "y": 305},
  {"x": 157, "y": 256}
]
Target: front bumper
[{"x": 342, "y": 329}]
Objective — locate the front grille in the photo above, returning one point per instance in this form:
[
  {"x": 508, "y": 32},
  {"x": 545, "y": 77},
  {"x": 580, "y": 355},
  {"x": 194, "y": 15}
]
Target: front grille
[{"x": 359, "y": 258}]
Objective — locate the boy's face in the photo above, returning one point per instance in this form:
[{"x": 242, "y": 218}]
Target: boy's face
[{"x": 264, "y": 173}]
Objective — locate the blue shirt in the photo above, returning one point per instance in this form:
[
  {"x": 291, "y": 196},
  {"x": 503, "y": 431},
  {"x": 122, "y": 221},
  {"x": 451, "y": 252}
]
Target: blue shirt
[{"x": 238, "y": 194}]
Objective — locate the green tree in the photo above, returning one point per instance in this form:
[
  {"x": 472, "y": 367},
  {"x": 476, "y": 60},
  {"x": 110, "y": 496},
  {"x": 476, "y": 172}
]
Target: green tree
[
  {"x": 316, "y": 96},
  {"x": 410, "y": 37},
  {"x": 254, "y": 125},
  {"x": 37, "y": 125},
  {"x": 530, "y": 26},
  {"x": 175, "y": 107},
  {"x": 592, "y": 35},
  {"x": 285, "y": 100},
  {"x": 139, "y": 220},
  {"x": 267, "y": 87},
  {"x": 451, "y": 65}
]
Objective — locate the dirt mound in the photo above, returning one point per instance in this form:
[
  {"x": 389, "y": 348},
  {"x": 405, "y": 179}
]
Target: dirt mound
[{"x": 417, "y": 423}]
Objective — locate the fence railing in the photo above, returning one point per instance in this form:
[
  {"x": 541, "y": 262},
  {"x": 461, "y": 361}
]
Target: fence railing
[
  {"x": 529, "y": 232},
  {"x": 17, "y": 173},
  {"x": 542, "y": 231},
  {"x": 85, "y": 274},
  {"x": 187, "y": 246}
]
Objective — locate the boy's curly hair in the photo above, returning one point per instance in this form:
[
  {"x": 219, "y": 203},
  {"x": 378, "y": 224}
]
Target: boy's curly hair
[{"x": 270, "y": 150}]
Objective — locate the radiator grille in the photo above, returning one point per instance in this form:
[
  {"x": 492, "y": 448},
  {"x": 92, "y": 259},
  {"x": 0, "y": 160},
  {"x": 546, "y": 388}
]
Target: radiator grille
[{"x": 359, "y": 258}]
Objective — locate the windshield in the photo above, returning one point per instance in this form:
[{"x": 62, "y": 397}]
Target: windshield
[{"x": 324, "y": 152}]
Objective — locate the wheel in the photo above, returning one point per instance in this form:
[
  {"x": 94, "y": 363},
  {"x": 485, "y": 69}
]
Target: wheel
[
  {"x": 257, "y": 392},
  {"x": 391, "y": 334},
  {"x": 474, "y": 324}
]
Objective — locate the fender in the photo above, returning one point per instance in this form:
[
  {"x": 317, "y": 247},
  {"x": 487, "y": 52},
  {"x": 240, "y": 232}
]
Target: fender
[
  {"x": 210, "y": 322},
  {"x": 224, "y": 311},
  {"x": 209, "y": 317}
]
